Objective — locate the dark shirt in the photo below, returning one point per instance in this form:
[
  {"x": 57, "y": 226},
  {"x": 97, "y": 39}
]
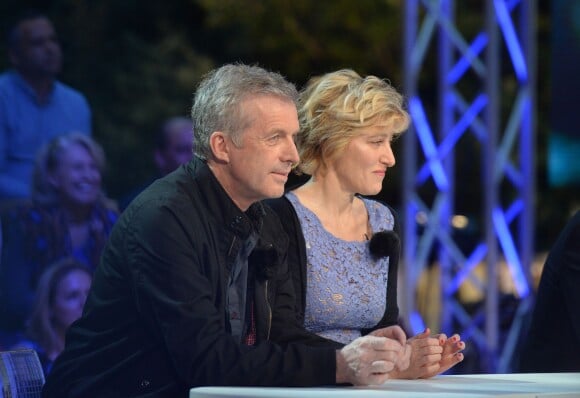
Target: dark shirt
[
  {"x": 237, "y": 288},
  {"x": 553, "y": 341},
  {"x": 155, "y": 322}
]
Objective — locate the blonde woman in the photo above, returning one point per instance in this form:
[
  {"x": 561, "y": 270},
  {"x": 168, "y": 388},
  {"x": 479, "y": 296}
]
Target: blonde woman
[{"x": 344, "y": 250}]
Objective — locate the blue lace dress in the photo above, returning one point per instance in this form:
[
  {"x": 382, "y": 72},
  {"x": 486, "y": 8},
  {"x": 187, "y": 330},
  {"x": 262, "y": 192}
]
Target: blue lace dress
[{"x": 346, "y": 287}]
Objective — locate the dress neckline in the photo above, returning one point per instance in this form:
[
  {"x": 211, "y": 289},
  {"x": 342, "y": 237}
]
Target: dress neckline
[{"x": 296, "y": 200}]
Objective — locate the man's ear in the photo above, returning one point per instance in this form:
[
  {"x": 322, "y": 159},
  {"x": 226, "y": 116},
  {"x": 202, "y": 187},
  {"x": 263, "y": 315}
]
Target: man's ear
[{"x": 220, "y": 146}]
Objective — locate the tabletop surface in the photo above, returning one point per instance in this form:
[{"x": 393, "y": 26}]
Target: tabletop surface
[{"x": 520, "y": 385}]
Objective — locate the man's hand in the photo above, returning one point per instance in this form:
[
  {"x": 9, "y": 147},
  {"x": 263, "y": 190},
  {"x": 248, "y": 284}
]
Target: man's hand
[
  {"x": 368, "y": 360},
  {"x": 391, "y": 332},
  {"x": 397, "y": 333}
]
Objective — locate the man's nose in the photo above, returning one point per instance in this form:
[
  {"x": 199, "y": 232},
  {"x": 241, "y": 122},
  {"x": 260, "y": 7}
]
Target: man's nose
[{"x": 292, "y": 152}]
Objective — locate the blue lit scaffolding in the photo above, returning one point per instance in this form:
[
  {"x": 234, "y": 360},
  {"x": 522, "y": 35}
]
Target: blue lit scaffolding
[{"x": 484, "y": 92}]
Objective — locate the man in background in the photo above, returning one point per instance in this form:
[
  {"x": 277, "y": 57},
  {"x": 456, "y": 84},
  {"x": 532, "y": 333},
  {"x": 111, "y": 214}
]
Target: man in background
[
  {"x": 174, "y": 144},
  {"x": 34, "y": 106},
  {"x": 173, "y": 147}
]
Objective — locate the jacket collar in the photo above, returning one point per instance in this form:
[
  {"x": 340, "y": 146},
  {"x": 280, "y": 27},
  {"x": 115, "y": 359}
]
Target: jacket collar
[{"x": 219, "y": 203}]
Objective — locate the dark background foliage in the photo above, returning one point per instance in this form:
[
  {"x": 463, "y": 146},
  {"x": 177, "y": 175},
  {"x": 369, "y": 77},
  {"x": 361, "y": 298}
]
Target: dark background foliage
[{"x": 138, "y": 62}]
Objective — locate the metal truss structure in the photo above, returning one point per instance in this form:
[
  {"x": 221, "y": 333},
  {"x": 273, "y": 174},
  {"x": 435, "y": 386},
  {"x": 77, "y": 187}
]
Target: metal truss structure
[{"x": 470, "y": 93}]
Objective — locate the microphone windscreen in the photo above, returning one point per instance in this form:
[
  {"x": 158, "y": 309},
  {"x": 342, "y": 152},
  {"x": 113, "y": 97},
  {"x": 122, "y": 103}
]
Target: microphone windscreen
[{"x": 384, "y": 244}]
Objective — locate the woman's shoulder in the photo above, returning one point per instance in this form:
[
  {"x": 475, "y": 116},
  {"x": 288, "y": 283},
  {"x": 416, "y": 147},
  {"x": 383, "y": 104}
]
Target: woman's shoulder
[
  {"x": 380, "y": 211},
  {"x": 109, "y": 205},
  {"x": 30, "y": 213},
  {"x": 107, "y": 210},
  {"x": 377, "y": 205}
]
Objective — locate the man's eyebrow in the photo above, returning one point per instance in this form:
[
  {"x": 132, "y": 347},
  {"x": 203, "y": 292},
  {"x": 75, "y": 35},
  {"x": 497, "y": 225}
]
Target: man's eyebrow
[{"x": 278, "y": 131}]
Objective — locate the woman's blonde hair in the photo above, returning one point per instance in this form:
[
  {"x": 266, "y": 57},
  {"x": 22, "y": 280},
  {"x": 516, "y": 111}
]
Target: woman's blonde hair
[
  {"x": 41, "y": 328},
  {"x": 332, "y": 107}
]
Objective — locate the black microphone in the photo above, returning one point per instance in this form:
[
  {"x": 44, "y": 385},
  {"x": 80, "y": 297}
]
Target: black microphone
[{"x": 384, "y": 244}]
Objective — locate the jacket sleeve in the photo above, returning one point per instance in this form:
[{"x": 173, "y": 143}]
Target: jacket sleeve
[
  {"x": 296, "y": 256},
  {"x": 551, "y": 343},
  {"x": 571, "y": 273},
  {"x": 175, "y": 276}
]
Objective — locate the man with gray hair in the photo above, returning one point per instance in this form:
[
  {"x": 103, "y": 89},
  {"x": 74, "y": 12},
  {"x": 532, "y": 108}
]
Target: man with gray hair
[{"x": 193, "y": 288}]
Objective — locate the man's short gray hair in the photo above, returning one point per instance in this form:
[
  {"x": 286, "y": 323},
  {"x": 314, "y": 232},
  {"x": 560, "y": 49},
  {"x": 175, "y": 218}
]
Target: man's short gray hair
[{"x": 219, "y": 95}]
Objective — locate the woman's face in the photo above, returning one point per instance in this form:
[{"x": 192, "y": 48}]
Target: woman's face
[
  {"x": 77, "y": 177},
  {"x": 362, "y": 166},
  {"x": 70, "y": 296}
]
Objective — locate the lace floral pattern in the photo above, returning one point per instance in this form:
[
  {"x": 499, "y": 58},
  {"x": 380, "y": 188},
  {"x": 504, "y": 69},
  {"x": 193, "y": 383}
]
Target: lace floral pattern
[{"x": 346, "y": 287}]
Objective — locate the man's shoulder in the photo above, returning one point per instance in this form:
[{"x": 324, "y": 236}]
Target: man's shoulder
[
  {"x": 70, "y": 93},
  {"x": 173, "y": 193},
  {"x": 6, "y": 81},
  {"x": 273, "y": 224},
  {"x": 281, "y": 206}
]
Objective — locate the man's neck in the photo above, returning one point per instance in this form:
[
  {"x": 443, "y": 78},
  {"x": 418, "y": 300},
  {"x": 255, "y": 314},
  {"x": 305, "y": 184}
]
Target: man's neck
[
  {"x": 227, "y": 183},
  {"x": 41, "y": 85}
]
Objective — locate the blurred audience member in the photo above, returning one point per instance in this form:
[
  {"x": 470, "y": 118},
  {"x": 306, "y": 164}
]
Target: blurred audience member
[
  {"x": 174, "y": 144},
  {"x": 553, "y": 341},
  {"x": 173, "y": 147},
  {"x": 34, "y": 106},
  {"x": 60, "y": 297},
  {"x": 69, "y": 216}
]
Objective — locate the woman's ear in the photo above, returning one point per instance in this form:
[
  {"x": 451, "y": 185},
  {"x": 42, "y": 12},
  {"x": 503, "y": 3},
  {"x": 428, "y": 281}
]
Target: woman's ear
[{"x": 220, "y": 146}]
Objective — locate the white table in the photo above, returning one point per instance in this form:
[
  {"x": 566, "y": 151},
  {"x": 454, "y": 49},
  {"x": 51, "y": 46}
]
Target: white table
[{"x": 521, "y": 385}]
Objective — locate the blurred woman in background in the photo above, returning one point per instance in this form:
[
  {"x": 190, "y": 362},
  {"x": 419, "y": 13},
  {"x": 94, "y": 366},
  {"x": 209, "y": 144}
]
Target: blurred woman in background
[
  {"x": 68, "y": 216},
  {"x": 61, "y": 294}
]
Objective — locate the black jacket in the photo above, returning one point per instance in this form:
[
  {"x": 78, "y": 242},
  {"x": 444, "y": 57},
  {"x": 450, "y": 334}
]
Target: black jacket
[
  {"x": 297, "y": 262},
  {"x": 155, "y": 320},
  {"x": 553, "y": 340}
]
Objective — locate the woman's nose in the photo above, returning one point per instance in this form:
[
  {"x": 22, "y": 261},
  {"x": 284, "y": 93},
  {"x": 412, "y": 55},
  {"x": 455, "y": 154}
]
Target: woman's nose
[{"x": 388, "y": 156}]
